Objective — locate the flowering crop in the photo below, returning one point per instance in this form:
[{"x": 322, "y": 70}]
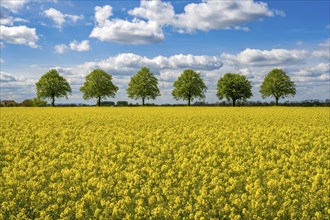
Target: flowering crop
[{"x": 164, "y": 163}]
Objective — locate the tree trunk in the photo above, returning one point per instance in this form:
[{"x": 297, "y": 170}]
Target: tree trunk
[
  {"x": 189, "y": 101},
  {"x": 53, "y": 100},
  {"x": 234, "y": 102},
  {"x": 276, "y": 101},
  {"x": 99, "y": 101},
  {"x": 142, "y": 101}
]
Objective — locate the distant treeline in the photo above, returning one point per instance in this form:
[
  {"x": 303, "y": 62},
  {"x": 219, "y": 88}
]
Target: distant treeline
[
  {"x": 27, "y": 103},
  {"x": 235, "y": 88}
]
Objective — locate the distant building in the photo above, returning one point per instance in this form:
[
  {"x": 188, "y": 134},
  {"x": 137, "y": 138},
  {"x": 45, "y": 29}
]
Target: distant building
[{"x": 8, "y": 103}]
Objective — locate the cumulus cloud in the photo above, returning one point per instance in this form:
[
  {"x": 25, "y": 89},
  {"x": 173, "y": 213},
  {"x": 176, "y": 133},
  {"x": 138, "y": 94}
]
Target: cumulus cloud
[
  {"x": 16, "y": 87},
  {"x": 205, "y": 16},
  {"x": 315, "y": 71},
  {"x": 247, "y": 72},
  {"x": 9, "y": 21},
  {"x": 129, "y": 63},
  {"x": 59, "y": 18},
  {"x": 2, "y": 60},
  {"x": 19, "y": 35},
  {"x": 274, "y": 57},
  {"x": 210, "y": 15},
  {"x": 80, "y": 46},
  {"x": 102, "y": 14},
  {"x": 60, "y": 48},
  {"x": 74, "y": 45},
  {"x": 323, "y": 51},
  {"x": 153, "y": 15},
  {"x": 124, "y": 31},
  {"x": 161, "y": 12},
  {"x": 20, "y": 20},
  {"x": 13, "y": 5},
  {"x": 311, "y": 79},
  {"x": 7, "y": 77},
  {"x": 168, "y": 75}
]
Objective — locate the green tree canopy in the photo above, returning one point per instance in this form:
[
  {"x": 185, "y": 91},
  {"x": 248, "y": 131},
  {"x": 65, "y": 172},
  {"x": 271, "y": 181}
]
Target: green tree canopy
[
  {"x": 52, "y": 85},
  {"x": 233, "y": 87},
  {"x": 38, "y": 102},
  {"x": 188, "y": 86},
  {"x": 143, "y": 85},
  {"x": 277, "y": 84},
  {"x": 27, "y": 103},
  {"x": 98, "y": 85}
]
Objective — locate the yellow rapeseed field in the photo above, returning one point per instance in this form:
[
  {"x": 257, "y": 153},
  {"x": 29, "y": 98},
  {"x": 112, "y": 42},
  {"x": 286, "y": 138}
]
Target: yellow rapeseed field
[{"x": 165, "y": 163}]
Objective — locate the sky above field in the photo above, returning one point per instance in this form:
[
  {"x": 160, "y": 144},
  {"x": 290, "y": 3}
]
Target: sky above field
[{"x": 213, "y": 37}]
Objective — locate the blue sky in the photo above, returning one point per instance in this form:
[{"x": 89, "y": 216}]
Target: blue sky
[{"x": 212, "y": 37}]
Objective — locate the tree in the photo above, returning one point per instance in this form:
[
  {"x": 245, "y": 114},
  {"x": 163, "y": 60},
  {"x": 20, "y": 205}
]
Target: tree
[
  {"x": 278, "y": 85},
  {"x": 188, "y": 86},
  {"x": 98, "y": 85},
  {"x": 122, "y": 103},
  {"x": 233, "y": 87},
  {"x": 27, "y": 103},
  {"x": 52, "y": 85},
  {"x": 143, "y": 85},
  {"x": 38, "y": 102}
]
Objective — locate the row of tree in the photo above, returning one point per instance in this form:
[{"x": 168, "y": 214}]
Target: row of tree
[
  {"x": 144, "y": 85},
  {"x": 302, "y": 103}
]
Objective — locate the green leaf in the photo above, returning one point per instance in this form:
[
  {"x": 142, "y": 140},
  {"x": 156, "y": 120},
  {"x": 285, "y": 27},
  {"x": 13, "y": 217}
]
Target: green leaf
[{"x": 188, "y": 86}]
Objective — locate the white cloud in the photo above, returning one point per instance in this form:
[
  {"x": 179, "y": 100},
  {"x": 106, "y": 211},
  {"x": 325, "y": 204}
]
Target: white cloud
[
  {"x": 323, "y": 53},
  {"x": 124, "y": 31},
  {"x": 161, "y": 12},
  {"x": 210, "y": 15},
  {"x": 129, "y": 63},
  {"x": 153, "y": 15},
  {"x": 169, "y": 75},
  {"x": 74, "y": 45},
  {"x": 60, "y": 48},
  {"x": 9, "y": 21},
  {"x": 2, "y": 60},
  {"x": 274, "y": 57},
  {"x": 59, "y": 18},
  {"x": 13, "y": 5},
  {"x": 311, "y": 79},
  {"x": 247, "y": 72},
  {"x": 19, "y": 35},
  {"x": 195, "y": 62},
  {"x": 80, "y": 46},
  {"x": 326, "y": 43},
  {"x": 205, "y": 16},
  {"x": 7, "y": 77},
  {"x": 324, "y": 50},
  {"x": 20, "y": 20},
  {"x": 102, "y": 14},
  {"x": 16, "y": 87},
  {"x": 315, "y": 71}
]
